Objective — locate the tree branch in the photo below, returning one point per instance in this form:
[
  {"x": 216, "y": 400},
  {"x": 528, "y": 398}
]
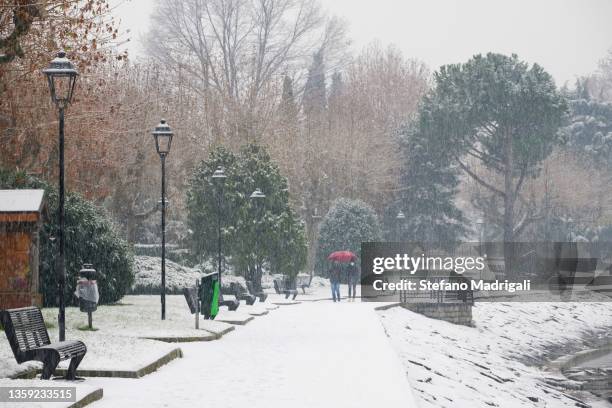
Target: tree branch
[{"x": 478, "y": 179}]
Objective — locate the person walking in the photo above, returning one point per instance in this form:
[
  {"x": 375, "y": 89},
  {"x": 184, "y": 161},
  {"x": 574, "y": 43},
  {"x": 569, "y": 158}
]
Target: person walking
[
  {"x": 334, "y": 279},
  {"x": 353, "y": 276}
]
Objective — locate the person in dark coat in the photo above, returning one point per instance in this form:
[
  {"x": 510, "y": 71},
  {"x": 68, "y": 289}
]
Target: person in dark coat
[
  {"x": 334, "y": 279},
  {"x": 353, "y": 277}
]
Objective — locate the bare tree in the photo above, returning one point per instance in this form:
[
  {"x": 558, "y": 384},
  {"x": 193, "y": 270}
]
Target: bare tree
[{"x": 235, "y": 52}]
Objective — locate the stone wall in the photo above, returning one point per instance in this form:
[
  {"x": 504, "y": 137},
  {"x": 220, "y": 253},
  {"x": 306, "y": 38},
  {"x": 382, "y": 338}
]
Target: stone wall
[{"x": 457, "y": 313}]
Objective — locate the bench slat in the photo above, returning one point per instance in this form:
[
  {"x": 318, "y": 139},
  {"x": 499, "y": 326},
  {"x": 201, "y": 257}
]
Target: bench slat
[{"x": 29, "y": 328}]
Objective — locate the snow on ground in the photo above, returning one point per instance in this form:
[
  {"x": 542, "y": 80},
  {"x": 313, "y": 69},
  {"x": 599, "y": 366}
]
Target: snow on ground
[
  {"x": 486, "y": 365},
  {"x": 104, "y": 352},
  {"x": 314, "y": 354},
  {"x": 140, "y": 316},
  {"x": 118, "y": 343}
]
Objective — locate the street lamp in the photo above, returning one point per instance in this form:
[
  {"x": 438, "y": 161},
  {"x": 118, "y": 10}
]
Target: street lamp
[
  {"x": 61, "y": 76},
  {"x": 400, "y": 217},
  {"x": 257, "y": 196},
  {"x": 163, "y": 141},
  {"x": 219, "y": 179}
]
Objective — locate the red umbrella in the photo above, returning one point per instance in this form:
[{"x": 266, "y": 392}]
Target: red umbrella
[{"x": 342, "y": 256}]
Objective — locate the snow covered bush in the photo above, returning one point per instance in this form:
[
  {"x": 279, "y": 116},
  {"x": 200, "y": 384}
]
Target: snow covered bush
[
  {"x": 147, "y": 277},
  {"x": 90, "y": 238},
  {"x": 347, "y": 224}
]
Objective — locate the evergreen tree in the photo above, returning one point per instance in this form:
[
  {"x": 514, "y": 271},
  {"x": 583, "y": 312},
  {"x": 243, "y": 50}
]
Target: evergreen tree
[
  {"x": 255, "y": 233},
  {"x": 346, "y": 225},
  {"x": 429, "y": 185},
  {"x": 288, "y": 106},
  {"x": 505, "y": 115},
  {"x": 589, "y": 133},
  {"x": 314, "y": 90}
]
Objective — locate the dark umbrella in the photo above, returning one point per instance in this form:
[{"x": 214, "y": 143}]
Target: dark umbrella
[{"x": 342, "y": 256}]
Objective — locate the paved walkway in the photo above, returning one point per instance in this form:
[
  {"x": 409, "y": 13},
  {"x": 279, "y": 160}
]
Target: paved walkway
[{"x": 310, "y": 355}]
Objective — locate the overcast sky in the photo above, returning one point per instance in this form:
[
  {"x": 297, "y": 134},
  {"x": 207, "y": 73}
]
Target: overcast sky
[{"x": 567, "y": 37}]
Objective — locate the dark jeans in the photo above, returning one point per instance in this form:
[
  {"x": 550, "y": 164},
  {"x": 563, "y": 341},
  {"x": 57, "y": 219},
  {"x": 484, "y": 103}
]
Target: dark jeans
[
  {"x": 352, "y": 290},
  {"x": 335, "y": 287},
  {"x": 352, "y": 286}
]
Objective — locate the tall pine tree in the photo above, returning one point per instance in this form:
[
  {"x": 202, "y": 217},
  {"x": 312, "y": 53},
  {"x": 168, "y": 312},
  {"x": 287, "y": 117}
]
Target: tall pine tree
[{"x": 428, "y": 188}]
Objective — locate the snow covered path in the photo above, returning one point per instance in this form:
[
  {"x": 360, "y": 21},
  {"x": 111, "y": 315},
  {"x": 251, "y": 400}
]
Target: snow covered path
[{"x": 315, "y": 354}]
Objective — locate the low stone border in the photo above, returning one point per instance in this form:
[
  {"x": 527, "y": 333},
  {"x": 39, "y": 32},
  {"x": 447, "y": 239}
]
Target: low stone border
[
  {"x": 26, "y": 374},
  {"x": 565, "y": 362},
  {"x": 210, "y": 336},
  {"x": 285, "y": 303},
  {"x": 597, "y": 386},
  {"x": 148, "y": 369},
  {"x": 186, "y": 339},
  {"x": 93, "y": 396},
  {"x": 259, "y": 313},
  {"x": 387, "y": 307},
  {"x": 240, "y": 322}
]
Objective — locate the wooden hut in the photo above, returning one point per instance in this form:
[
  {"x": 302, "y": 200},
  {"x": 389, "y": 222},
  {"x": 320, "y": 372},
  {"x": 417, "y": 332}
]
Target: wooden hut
[{"x": 20, "y": 223}]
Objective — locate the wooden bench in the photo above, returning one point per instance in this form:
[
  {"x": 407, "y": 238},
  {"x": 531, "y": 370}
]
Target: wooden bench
[
  {"x": 281, "y": 289},
  {"x": 191, "y": 296},
  {"x": 303, "y": 281},
  {"x": 26, "y": 332},
  {"x": 261, "y": 295},
  {"x": 232, "y": 304},
  {"x": 241, "y": 294}
]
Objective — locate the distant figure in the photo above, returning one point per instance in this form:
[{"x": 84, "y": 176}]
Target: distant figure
[
  {"x": 334, "y": 279},
  {"x": 353, "y": 276}
]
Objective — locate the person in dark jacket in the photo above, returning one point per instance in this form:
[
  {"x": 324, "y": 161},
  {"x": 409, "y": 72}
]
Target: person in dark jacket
[
  {"x": 334, "y": 279},
  {"x": 353, "y": 277}
]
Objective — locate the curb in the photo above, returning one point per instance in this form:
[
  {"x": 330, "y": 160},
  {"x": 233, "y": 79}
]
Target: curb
[
  {"x": 93, "y": 396},
  {"x": 387, "y": 307},
  {"x": 148, "y": 369},
  {"x": 237, "y": 322},
  {"x": 208, "y": 337}
]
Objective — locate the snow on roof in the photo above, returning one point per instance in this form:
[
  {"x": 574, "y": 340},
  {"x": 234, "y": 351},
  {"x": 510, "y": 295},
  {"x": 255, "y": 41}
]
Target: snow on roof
[{"x": 21, "y": 200}]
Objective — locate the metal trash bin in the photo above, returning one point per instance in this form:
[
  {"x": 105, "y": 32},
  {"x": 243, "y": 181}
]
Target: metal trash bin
[{"x": 209, "y": 292}]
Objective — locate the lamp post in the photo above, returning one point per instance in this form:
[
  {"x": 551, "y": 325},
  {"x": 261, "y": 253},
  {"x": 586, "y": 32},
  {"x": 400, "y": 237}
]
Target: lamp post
[
  {"x": 61, "y": 76},
  {"x": 163, "y": 140},
  {"x": 257, "y": 196},
  {"x": 312, "y": 256},
  {"x": 400, "y": 217},
  {"x": 219, "y": 179}
]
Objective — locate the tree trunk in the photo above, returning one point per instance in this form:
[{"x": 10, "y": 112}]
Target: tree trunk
[{"x": 508, "y": 205}]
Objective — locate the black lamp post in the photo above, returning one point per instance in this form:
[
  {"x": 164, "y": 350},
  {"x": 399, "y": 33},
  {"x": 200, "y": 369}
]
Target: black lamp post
[
  {"x": 61, "y": 75},
  {"x": 400, "y": 217},
  {"x": 219, "y": 179},
  {"x": 258, "y": 196},
  {"x": 163, "y": 140}
]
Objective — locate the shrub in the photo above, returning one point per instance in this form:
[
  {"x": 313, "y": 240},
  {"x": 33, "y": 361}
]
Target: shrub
[
  {"x": 347, "y": 224},
  {"x": 255, "y": 234},
  {"x": 90, "y": 238}
]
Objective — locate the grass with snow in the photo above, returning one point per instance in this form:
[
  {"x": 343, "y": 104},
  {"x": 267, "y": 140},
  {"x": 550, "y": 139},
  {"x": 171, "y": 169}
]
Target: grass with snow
[{"x": 491, "y": 364}]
